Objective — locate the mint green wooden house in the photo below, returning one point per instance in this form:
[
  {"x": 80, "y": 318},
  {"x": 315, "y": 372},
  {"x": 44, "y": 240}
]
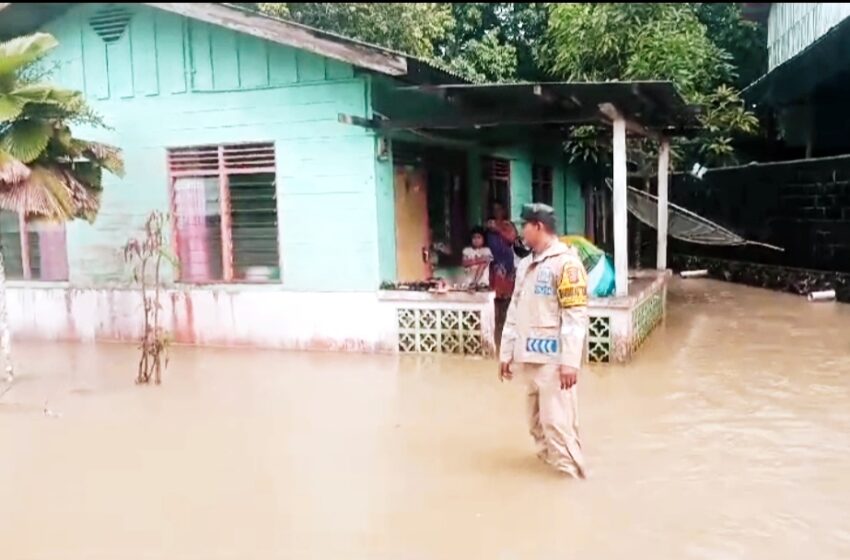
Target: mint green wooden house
[{"x": 288, "y": 210}]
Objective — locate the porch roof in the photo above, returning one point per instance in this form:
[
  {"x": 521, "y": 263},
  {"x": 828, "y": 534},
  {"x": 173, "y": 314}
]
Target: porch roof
[{"x": 650, "y": 107}]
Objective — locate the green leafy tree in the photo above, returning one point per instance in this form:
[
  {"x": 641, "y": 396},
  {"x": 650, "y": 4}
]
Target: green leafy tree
[
  {"x": 45, "y": 172},
  {"x": 745, "y": 41},
  {"x": 481, "y": 60},
  {"x": 601, "y": 42},
  {"x": 413, "y": 28},
  {"x": 478, "y": 41},
  {"x": 495, "y": 41}
]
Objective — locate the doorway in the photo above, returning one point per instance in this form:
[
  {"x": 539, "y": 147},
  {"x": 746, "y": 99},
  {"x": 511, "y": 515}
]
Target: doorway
[{"x": 412, "y": 228}]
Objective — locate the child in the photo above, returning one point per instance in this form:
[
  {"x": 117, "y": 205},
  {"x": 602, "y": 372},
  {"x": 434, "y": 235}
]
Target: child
[{"x": 476, "y": 260}]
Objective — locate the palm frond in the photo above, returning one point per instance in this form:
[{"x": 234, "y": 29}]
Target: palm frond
[
  {"x": 18, "y": 52},
  {"x": 26, "y": 139},
  {"x": 88, "y": 173},
  {"x": 108, "y": 157},
  {"x": 11, "y": 106},
  {"x": 46, "y": 93},
  {"x": 44, "y": 171},
  {"x": 11, "y": 170},
  {"x": 44, "y": 193},
  {"x": 85, "y": 195}
]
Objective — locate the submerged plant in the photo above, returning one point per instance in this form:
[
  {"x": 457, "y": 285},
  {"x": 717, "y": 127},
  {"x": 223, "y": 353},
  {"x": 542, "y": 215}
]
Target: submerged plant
[{"x": 146, "y": 256}]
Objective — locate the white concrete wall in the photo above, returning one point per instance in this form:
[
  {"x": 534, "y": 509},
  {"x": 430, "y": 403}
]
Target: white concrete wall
[{"x": 222, "y": 316}]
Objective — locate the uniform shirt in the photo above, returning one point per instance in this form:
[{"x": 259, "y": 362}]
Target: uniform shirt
[{"x": 547, "y": 318}]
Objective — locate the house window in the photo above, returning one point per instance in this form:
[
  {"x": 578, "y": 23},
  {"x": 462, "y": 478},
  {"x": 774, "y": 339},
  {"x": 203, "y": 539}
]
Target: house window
[
  {"x": 224, "y": 200},
  {"x": 497, "y": 183},
  {"x": 541, "y": 184},
  {"x": 33, "y": 249}
]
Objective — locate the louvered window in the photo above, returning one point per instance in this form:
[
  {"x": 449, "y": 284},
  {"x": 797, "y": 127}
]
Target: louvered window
[
  {"x": 225, "y": 211},
  {"x": 541, "y": 184},
  {"x": 496, "y": 174},
  {"x": 33, "y": 250}
]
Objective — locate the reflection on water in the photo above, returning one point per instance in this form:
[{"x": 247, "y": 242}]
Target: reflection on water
[{"x": 725, "y": 439}]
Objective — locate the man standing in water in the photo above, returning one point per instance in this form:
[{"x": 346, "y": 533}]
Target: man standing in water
[{"x": 545, "y": 334}]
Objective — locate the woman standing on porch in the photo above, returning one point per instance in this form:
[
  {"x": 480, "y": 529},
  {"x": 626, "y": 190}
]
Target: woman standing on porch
[{"x": 501, "y": 236}]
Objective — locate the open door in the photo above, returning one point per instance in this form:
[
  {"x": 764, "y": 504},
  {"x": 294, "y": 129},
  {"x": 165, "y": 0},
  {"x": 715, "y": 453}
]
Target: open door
[{"x": 412, "y": 231}]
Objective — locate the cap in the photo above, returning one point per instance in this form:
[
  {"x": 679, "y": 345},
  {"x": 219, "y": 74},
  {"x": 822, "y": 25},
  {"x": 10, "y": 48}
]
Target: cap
[{"x": 537, "y": 212}]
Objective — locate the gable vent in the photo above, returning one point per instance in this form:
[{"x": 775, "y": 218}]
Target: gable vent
[{"x": 110, "y": 22}]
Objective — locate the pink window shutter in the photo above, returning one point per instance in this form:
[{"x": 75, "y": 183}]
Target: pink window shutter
[
  {"x": 52, "y": 244},
  {"x": 191, "y": 223}
]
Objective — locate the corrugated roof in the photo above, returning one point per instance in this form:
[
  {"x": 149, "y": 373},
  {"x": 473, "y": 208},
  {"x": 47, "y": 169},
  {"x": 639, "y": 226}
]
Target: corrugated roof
[{"x": 801, "y": 74}]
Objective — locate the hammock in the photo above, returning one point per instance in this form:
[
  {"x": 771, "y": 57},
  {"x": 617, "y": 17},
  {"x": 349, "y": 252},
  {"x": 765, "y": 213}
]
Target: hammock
[{"x": 683, "y": 224}]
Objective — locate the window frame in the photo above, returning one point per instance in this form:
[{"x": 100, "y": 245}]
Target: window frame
[
  {"x": 543, "y": 182},
  {"x": 222, "y": 173},
  {"x": 24, "y": 229},
  {"x": 496, "y": 169}
]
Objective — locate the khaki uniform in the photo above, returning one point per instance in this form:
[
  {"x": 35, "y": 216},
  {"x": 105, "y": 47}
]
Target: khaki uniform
[{"x": 545, "y": 328}]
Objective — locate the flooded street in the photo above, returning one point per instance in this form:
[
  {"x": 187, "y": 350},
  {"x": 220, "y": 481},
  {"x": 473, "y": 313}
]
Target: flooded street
[{"x": 727, "y": 438}]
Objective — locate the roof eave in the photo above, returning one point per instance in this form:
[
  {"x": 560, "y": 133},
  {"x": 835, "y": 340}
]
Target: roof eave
[{"x": 292, "y": 34}]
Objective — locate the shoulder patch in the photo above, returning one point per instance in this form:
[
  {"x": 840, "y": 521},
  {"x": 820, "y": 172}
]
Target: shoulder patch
[{"x": 572, "y": 289}]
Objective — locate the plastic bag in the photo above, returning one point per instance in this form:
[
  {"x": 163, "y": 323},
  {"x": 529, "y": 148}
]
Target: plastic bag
[{"x": 600, "y": 269}]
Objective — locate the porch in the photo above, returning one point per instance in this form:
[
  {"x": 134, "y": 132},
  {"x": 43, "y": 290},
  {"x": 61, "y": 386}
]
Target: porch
[
  {"x": 503, "y": 128},
  {"x": 465, "y": 323}
]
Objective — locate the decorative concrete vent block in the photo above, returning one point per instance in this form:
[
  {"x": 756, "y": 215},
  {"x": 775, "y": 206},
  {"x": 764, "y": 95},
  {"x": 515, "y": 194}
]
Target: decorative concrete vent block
[{"x": 443, "y": 331}]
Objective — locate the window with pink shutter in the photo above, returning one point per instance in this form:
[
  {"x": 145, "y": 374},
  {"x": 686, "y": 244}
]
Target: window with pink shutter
[
  {"x": 33, "y": 249},
  {"x": 224, "y": 201}
]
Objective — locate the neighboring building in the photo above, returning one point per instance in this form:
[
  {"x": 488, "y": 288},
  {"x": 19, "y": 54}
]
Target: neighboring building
[
  {"x": 808, "y": 77},
  {"x": 799, "y": 199},
  {"x": 291, "y": 204}
]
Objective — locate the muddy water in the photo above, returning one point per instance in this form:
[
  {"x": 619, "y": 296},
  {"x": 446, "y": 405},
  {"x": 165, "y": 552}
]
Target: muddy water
[{"x": 726, "y": 439}]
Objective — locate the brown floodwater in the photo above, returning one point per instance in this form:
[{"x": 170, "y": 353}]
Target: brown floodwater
[{"x": 727, "y": 438}]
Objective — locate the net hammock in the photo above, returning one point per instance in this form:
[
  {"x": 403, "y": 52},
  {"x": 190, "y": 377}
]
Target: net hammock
[{"x": 682, "y": 224}]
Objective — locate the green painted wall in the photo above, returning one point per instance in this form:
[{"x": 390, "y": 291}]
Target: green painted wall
[
  {"x": 475, "y": 213},
  {"x": 574, "y": 205},
  {"x": 170, "y": 82},
  {"x": 385, "y": 197}
]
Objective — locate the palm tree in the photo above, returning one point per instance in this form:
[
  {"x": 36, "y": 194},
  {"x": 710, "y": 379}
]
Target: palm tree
[{"x": 45, "y": 172}]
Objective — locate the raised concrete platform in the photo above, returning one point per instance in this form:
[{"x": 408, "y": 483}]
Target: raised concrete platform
[
  {"x": 459, "y": 323},
  {"x": 620, "y": 325}
]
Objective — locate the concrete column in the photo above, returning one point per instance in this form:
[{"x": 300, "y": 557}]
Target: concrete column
[
  {"x": 663, "y": 211},
  {"x": 621, "y": 213}
]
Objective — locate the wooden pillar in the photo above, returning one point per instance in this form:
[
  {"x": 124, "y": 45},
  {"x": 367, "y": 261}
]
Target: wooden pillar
[
  {"x": 663, "y": 211},
  {"x": 621, "y": 213},
  {"x": 226, "y": 219}
]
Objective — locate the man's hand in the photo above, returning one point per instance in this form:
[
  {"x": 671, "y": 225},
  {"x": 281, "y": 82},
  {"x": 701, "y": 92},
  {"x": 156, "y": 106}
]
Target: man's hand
[
  {"x": 505, "y": 371},
  {"x": 568, "y": 375}
]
